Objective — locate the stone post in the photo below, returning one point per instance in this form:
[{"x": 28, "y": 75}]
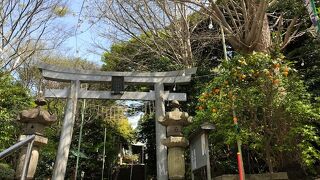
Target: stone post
[
  {"x": 176, "y": 143},
  {"x": 34, "y": 120},
  {"x": 60, "y": 165},
  {"x": 161, "y": 150}
]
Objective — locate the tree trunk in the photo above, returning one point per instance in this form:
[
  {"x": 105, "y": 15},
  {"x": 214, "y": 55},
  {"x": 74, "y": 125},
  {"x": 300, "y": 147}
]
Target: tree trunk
[
  {"x": 259, "y": 40},
  {"x": 263, "y": 42},
  {"x": 268, "y": 155}
]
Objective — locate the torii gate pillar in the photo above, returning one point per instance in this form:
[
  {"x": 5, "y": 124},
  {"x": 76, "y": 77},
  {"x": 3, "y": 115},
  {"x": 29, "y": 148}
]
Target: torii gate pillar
[
  {"x": 162, "y": 161},
  {"x": 66, "y": 132}
]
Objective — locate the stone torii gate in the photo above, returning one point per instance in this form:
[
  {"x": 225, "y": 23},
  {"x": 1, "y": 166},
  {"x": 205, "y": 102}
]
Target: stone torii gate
[{"x": 74, "y": 92}]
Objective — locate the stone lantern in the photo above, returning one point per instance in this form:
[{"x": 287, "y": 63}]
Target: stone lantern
[
  {"x": 176, "y": 143},
  {"x": 34, "y": 121}
]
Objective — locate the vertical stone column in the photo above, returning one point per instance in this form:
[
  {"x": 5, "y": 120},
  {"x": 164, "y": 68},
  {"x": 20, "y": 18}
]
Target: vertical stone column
[
  {"x": 66, "y": 132},
  {"x": 162, "y": 162},
  {"x": 176, "y": 143},
  {"x": 34, "y": 120},
  {"x": 38, "y": 142}
]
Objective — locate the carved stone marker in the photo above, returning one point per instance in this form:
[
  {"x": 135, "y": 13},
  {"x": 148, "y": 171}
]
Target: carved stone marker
[
  {"x": 34, "y": 120},
  {"x": 176, "y": 143}
]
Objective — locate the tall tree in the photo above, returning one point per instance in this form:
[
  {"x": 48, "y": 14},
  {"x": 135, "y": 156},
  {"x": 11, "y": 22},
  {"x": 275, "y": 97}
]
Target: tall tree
[
  {"x": 25, "y": 25},
  {"x": 166, "y": 27},
  {"x": 132, "y": 56},
  {"x": 161, "y": 26},
  {"x": 253, "y": 25}
]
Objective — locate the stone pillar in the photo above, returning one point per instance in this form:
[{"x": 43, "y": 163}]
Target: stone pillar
[
  {"x": 60, "y": 164},
  {"x": 34, "y": 120},
  {"x": 162, "y": 161},
  {"x": 176, "y": 143}
]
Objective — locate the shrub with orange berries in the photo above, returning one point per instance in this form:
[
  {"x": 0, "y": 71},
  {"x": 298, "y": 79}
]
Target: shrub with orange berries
[{"x": 258, "y": 92}]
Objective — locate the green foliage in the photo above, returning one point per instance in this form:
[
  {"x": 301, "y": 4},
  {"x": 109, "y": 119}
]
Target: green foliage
[
  {"x": 291, "y": 7},
  {"x": 13, "y": 99},
  {"x": 121, "y": 127},
  {"x": 306, "y": 52},
  {"x": 271, "y": 105},
  {"x": 118, "y": 131},
  {"x": 124, "y": 128},
  {"x": 6, "y": 172},
  {"x": 132, "y": 56},
  {"x": 146, "y": 133},
  {"x": 310, "y": 136}
]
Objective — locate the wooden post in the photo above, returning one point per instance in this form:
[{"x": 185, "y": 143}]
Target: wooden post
[
  {"x": 162, "y": 161},
  {"x": 66, "y": 132}
]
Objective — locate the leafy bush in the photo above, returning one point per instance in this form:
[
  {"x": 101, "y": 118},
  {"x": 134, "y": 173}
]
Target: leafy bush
[
  {"x": 13, "y": 99},
  {"x": 264, "y": 95},
  {"x": 6, "y": 172}
]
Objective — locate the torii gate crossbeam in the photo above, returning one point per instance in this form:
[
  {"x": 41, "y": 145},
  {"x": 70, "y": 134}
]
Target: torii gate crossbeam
[{"x": 75, "y": 77}]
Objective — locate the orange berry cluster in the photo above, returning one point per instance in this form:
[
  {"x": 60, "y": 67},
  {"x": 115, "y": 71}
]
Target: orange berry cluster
[{"x": 204, "y": 96}]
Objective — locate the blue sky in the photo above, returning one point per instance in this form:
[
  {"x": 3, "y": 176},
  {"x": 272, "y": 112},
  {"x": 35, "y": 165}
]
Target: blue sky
[{"x": 80, "y": 44}]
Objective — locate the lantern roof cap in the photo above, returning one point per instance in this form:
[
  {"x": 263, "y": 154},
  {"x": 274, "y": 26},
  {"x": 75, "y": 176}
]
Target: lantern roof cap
[{"x": 37, "y": 115}]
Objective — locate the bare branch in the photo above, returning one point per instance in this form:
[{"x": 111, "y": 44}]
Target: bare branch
[
  {"x": 162, "y": 26},
  {"x": 288, "y": 34},
  {"x": 23, "y": 26}
]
